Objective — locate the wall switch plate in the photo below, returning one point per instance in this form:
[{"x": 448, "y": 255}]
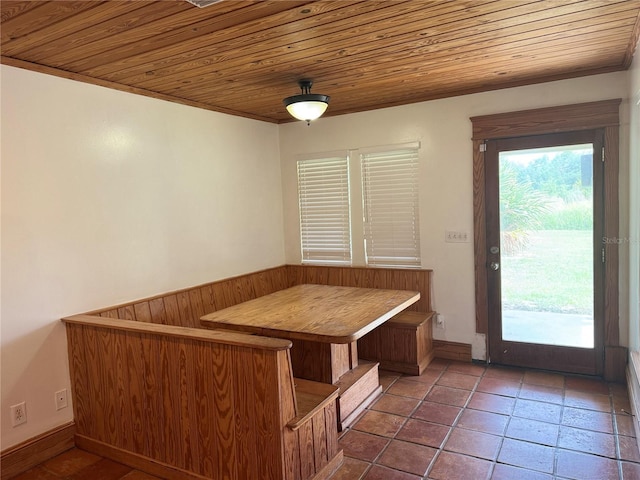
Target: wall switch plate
[
  {"x": 440, "y": 321},
  {"x": 61, "y": 399},
  {"x": 18, "y": 414},
  {"x": 456, "y": 237}
]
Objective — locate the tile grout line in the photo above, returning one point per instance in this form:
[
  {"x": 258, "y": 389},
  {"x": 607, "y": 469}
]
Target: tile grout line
[
  {"x": 517, "y": 396},
  {"x": 503, "y": 437},
  {"x": 446, "y": 438},
  {"x": 437, "y": 454},
  {"x": 455, "y": 422}
]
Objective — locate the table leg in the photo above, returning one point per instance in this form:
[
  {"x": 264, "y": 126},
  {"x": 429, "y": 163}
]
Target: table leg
[
  {"x": 338, "y": 364},
  {"x": 323, "y": 362}
]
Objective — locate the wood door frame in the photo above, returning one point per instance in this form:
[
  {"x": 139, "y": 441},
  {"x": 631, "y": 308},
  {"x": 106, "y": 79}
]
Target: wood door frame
[
  {"x": 587, "y": 361},
  {"x": 585, "y": 116}
]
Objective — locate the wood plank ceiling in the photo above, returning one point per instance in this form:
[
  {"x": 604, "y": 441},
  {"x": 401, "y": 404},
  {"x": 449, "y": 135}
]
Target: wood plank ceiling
[{"x": 244, "y": 57}]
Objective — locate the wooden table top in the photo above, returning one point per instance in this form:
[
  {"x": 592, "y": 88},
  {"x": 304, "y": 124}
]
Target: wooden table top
[{"x": 320, "y": 313}]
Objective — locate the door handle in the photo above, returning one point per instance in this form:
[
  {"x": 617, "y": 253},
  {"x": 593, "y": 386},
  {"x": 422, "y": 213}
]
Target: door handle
[{"x": 494, "y": 266}]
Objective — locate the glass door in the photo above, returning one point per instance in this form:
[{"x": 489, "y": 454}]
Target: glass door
[{"x": 544, "y": 213}]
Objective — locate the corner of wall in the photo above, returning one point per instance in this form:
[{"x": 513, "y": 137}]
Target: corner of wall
[{"x": 633, "y": 385}]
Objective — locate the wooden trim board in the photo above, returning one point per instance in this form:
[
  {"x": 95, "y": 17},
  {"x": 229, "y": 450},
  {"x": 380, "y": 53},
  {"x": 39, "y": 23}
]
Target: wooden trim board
[
  {"x": 452, "y": 351},
  {"x": 633, "y": 386},
  {"x": 331, "y": 467},
  {"x": 20, "y": 458},
  {"x": 134, "y": 460},
  {"x": 615, "y": 364}
]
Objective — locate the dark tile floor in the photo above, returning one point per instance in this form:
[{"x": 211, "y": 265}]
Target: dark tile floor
[
  {"x": 470, "y": 422},
  {"x": 76, "y": 464},
  {"x": 460, "y": 421}
]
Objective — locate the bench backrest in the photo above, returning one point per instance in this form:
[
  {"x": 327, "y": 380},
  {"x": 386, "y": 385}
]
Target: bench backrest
[
  {"x": 417, "y": 280},
  {"x": 197, "y": 403},
  {"x": 185, "y": 307}
]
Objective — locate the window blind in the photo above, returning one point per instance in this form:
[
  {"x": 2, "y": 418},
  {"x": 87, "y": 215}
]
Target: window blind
[
  {"x": 390, "y": 203},
  {"x": 323, "y": 194}
]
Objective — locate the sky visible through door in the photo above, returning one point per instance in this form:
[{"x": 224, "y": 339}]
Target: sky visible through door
[{"x": 546, "y": 245}]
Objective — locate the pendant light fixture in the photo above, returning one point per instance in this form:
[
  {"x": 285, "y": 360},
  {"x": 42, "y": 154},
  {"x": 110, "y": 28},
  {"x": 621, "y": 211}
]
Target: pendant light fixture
[{"x": 307, "y": 106}]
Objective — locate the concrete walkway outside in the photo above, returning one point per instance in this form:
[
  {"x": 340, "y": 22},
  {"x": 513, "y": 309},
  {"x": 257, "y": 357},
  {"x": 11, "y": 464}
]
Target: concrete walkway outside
[{"x": 548, "y": 328}]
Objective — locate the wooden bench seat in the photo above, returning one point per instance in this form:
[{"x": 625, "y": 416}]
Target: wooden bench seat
[
  {"x": 121, "y": 357},
  {"x": 402, "y": 344},
  {"x": 311, "y": 397},
  {"x": 185, "y": 403}
]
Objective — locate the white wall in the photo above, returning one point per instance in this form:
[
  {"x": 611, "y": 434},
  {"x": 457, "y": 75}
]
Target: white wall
[
  {"x": 108, "y": 197},
  {"x": 634, "y": 204},
  {"x": 446, "y": 197}
]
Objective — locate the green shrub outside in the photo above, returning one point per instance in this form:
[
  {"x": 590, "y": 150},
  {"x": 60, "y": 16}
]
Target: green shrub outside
[{"x": 570, "y": 216}]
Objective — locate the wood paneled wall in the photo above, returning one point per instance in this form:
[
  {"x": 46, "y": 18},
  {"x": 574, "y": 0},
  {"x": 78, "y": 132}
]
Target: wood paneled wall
[
  {"x": 185, "y": 307},
  {"x": 192, "y": 403},
  {"x": 393, "y": 278}
]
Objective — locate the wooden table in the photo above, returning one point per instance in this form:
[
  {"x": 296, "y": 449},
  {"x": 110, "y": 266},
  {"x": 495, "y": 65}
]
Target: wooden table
[{"x": 324, "y": 323}]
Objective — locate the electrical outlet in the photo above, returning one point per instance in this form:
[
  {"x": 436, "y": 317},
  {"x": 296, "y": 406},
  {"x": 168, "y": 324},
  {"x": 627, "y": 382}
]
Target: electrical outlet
[
  {"x": 456, "y": 237},
  {"x": 18, "y": 414},
  {"x": 61, "y": 399},
  {"x": 440, "y": 321}
]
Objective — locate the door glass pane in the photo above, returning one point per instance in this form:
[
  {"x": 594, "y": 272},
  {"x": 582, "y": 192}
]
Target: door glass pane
[{"x": 546, "y": 236}]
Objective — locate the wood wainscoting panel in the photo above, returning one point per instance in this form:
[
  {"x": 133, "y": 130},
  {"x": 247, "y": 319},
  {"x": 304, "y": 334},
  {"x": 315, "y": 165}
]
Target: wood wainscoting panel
[
  {"x": 185, "y": 307},
  {"x": 418, "y": 280},
  {"x": 20, "y": 458},
  {"x": 172, "y": 400}
]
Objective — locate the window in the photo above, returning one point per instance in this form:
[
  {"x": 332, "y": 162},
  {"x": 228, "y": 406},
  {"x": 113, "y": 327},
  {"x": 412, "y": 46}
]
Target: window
[
  {"x": 382, "y": 218},
  {"x": 323, "y": 195},
  {"x": 390, "y": 204}
]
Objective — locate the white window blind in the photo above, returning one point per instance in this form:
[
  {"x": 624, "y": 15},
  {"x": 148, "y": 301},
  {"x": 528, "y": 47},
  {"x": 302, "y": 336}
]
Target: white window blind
[
  {"x": 390, "y": 203},
  {"x": 323, "y": 193}
]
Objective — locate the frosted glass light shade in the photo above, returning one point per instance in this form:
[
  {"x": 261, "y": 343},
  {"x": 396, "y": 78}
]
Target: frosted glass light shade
[
  {"x": 307, "y": 106},
  {"x": 307, "y": 110}
]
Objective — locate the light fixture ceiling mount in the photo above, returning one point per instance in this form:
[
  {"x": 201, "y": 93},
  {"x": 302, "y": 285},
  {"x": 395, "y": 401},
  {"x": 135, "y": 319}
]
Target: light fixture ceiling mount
[{"x": 307, "y": 106}]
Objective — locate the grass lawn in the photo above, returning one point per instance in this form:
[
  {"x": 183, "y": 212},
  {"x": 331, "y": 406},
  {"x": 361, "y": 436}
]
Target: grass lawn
[{"x": 554, "y": 273}]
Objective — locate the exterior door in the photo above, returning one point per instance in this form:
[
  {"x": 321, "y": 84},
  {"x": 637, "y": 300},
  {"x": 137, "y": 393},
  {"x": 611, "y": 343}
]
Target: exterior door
[{"x": 545, "y": 276}]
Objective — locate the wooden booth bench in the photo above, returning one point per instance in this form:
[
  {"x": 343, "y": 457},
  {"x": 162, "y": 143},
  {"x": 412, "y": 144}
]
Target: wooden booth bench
[
  {"x": 403, "y": 344},
  {"x": 226, "y": 401},
  {"x": 180, "y": 402}
]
